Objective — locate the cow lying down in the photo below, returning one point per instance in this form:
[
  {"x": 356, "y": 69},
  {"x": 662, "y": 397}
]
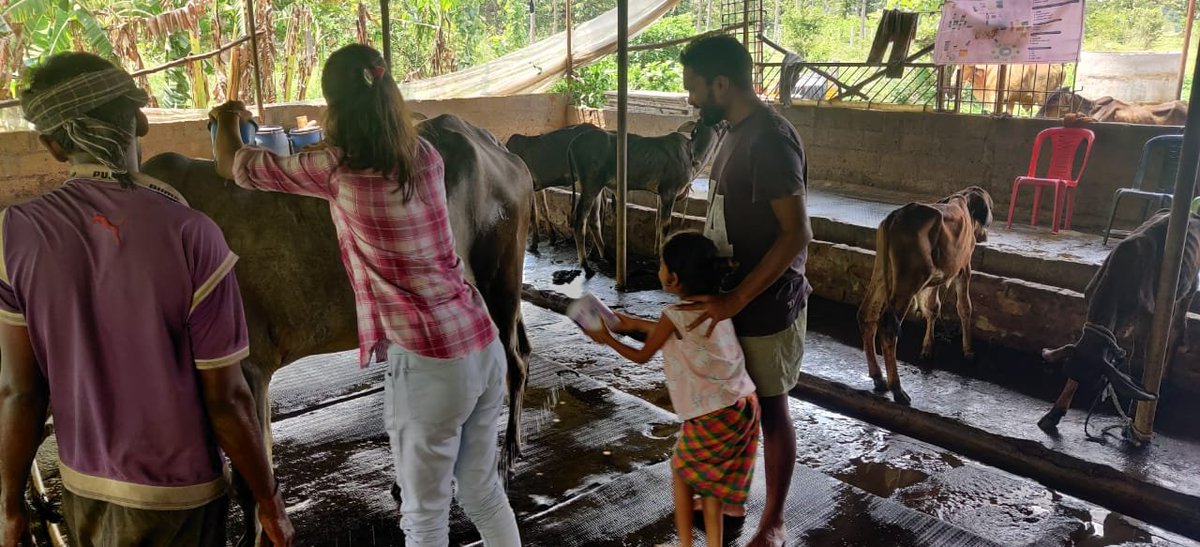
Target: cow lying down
[
  {"x": 919, "y": 249},
  {"x": 1120, "y": 308}
]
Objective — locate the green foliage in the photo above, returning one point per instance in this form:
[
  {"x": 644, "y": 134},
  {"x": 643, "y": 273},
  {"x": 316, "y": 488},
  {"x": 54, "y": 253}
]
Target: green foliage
[
  {"x": 1125, "y": 25},
  {"x": 652, "y": 70}
]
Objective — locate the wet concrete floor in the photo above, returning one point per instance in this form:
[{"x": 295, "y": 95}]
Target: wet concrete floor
[{"x": 595, "y": 471}]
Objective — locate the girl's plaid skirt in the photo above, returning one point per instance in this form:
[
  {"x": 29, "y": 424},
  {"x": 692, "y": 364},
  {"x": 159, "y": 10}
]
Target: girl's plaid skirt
[{"x": 715, "y": 452}]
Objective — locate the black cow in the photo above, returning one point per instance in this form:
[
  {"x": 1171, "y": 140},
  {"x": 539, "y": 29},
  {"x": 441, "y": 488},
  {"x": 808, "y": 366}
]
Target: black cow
[
  {"x": 665, "y": 165},
  {"x": 546, "y": 157},
  {"x": 1120, "y": 305},
  {"x": 298, "y": 301}
]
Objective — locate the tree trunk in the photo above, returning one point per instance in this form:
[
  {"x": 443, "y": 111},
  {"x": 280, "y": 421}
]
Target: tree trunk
[
  {"x": 862, "y": 18},
  {"x": 778, "y": 14}
]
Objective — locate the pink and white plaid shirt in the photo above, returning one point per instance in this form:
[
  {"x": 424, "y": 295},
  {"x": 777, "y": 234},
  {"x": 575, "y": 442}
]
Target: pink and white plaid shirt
[{"x": 408, "y": 281}]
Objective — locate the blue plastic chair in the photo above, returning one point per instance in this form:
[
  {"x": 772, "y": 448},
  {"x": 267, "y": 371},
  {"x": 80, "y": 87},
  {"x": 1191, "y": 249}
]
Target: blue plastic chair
[{"x": 1168, "y": 146}]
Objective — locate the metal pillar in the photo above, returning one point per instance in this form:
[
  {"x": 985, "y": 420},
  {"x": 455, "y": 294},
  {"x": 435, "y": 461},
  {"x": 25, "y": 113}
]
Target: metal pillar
[
  {"x": 1168, "y": 275},
  {"x": 385, "y": 15},
  {"x": 1187, "y": 44},
  {"x": 623, "y": 138},
  {"x": 253, "y": 30}
]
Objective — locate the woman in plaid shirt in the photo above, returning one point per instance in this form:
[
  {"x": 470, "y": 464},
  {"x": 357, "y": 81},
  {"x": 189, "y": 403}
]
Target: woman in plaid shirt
[{"x": 444, "y": 386}]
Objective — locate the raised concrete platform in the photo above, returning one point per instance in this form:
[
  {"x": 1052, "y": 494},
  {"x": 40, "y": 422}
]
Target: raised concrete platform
[
  {"x": 849, "y": 215},
  {"x": 1026, "y": 289}
]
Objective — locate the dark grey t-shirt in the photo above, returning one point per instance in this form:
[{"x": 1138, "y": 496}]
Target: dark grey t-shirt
[{"x": 762, "y": 159}]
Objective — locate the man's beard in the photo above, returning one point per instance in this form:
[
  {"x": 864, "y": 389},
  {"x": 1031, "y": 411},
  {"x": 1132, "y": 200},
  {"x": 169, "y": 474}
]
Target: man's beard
[{"x": 712, "y": 114}]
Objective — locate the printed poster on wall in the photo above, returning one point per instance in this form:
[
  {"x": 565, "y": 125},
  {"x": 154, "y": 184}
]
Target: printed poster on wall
[{"x": 981, "y": 32}]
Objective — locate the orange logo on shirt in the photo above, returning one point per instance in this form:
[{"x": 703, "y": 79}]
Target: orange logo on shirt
[{"x": 103, "y": 221}]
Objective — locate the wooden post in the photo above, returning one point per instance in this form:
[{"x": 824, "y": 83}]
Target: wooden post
[
  {"x": 1001, "y": 83},
  {"x": 385, "y": 15},
  {"x": 532, "y": 22},
  {"x": 253, "y": 31},
  {"x": 622, "y": 140},
  {"x": 1187, "y": 44},
  {"x": 1158, "y": 352}
]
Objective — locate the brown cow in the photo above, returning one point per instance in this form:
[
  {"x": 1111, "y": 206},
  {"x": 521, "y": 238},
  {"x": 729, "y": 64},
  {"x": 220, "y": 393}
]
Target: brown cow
[
  {"x": 1120, "y": 307},
  {"x": 1107, "y": 109},
  {"x": 919, "y": 249},
  {"x": 1026, "y": 85},
  {"x": 297, "y": 298}
]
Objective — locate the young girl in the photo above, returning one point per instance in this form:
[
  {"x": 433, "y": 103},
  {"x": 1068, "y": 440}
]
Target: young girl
[
  {"x": 709, "y": 388},
  {"x": 444, "y": 386}
]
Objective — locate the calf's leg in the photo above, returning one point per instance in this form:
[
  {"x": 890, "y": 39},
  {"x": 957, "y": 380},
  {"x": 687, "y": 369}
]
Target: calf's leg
[
  {"x": 579, "y": 220},
  {"x": 868, "y": 324},
  {"x": 962, "y": 289},
  {"x": 931, "y": 307},
  {"x": 1049, "y": 422},
  {"x": 889, "y": 336}
]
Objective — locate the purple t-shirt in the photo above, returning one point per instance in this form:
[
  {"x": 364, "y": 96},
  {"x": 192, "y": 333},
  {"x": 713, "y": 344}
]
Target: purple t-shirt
[
  {"x": 126, "y": 294},
  {"x": 761, "y": 159}
]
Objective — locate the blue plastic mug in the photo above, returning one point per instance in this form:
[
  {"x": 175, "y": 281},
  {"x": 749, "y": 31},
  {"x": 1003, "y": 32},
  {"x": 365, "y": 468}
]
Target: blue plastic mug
[
  {"x": 306, "y": 136},
  {"x": 273, "y": 138}
]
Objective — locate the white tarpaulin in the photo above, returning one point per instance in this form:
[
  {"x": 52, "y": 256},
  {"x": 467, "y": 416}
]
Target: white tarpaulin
[
  {"x": 1009, "y": 32},
  {"x": 537, "y": 67}
]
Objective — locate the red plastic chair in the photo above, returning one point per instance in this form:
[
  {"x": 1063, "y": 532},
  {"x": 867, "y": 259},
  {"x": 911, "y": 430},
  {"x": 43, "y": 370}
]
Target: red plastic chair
[{"x": 1064, "y": 144}]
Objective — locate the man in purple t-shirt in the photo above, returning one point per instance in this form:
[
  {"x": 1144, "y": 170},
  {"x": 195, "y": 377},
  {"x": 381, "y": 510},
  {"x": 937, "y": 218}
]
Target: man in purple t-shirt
[
  {"x": 119, "y": 305},
  {"x": 761, "y": 175}
]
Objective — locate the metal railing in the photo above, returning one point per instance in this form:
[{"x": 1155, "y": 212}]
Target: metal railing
[{"x": 1018, "y": 90}]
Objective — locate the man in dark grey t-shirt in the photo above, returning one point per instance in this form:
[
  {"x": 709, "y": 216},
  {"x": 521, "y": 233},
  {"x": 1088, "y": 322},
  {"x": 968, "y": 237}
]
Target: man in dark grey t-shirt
[{"x": 761, "y": 174}]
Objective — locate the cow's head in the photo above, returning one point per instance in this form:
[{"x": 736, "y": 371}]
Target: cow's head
[
  {"x": 704, "y": 138},
  {"x": 979, "y": 205},
  {"x": 1061, "y": 102},
  {"x": 516, "y": 143}
]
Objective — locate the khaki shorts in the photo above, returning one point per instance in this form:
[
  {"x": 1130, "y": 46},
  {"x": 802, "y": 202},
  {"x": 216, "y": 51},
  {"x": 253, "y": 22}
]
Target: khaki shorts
[
  {"x": 773, "y": 362},
  {"x": 95, "y": 523}
]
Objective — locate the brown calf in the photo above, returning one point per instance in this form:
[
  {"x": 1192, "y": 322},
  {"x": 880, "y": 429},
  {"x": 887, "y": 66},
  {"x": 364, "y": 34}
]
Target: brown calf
[
  {"x": 919, "y": 249},
  {"x": 1120, "y": 308}
]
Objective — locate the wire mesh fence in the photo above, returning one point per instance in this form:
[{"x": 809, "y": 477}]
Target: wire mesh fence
[{"x": 748, "y": 15}]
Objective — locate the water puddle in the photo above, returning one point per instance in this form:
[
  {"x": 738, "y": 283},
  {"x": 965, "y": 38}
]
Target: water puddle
[{"x": 879, "y": 478}]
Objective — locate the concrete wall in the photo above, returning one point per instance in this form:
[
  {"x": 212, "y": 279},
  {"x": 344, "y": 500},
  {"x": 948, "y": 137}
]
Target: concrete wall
[
  {"x": 930, "y": 155},
  {"x": 925, "y": 156},
  {"x": 26, "y": 169},
  {"x": 1137, "y": 77}
]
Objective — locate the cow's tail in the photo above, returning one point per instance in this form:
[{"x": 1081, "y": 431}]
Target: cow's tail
[
  {"x": 890, "y": 321},
  {"x": 575, "y": 184}
]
